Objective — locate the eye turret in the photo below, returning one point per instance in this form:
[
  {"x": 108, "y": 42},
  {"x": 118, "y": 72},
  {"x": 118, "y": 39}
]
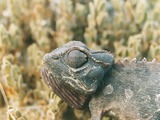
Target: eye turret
[{"x": 76, "y": 58}]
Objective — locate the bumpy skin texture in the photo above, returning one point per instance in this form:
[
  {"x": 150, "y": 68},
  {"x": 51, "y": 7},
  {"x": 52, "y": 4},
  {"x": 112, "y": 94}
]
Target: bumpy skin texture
[
  {"x": 131, "y": 92},
  {"x": 74, "y": 72}
]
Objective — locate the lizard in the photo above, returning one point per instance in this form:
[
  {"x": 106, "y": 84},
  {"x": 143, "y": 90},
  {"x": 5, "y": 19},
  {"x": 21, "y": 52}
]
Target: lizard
[{"x": 122, "y": 90}]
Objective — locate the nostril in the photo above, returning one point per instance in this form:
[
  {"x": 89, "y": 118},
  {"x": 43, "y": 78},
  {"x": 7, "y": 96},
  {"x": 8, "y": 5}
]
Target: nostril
[
  {"x": 46, "y": 58},
  {"x": 55, "y": 57},
  {"x": 49, "y": 57}
]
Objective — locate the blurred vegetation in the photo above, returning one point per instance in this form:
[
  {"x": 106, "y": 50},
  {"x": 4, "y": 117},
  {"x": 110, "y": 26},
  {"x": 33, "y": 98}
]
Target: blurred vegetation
[{"x": 31, "y": 28}]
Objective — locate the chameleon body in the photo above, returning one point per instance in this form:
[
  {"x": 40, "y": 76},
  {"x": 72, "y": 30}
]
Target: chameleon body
[
  {"x": 131, "y": 92},
  {"x": 128, "y": 90}
]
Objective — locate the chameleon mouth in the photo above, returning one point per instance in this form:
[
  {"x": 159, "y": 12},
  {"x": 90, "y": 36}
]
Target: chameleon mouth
[
  {"x": 79, "y": 86},
  {"x": 67, "y": 93}
]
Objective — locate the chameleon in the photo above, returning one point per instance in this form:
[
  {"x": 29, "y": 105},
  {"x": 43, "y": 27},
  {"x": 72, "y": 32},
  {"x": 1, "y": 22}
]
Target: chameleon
[{"x": 122, "y": 90}]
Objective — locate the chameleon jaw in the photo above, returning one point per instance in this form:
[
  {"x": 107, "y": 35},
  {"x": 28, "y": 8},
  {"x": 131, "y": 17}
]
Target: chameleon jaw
[{"x": 74, "y": 98}]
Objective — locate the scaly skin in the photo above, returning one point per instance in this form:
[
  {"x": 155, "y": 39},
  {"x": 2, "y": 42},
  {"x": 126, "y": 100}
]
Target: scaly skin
[
  {"x": 122, "y": 90},
  {"x": 131, "y": 92}
]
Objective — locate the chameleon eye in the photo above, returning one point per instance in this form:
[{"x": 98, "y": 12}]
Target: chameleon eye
[{"x": 76, "y": 58}]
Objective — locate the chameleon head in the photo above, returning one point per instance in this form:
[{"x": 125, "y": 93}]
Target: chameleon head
[{"x": 74, "y": 72}]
